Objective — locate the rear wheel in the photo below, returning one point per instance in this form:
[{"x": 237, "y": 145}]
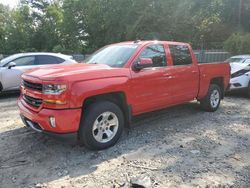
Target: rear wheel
[
  {"x": 101, "y": 126},
  {"x": 212, "y": 101}
]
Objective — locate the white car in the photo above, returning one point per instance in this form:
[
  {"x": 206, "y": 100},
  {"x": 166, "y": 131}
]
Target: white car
[
  {"x": 240, "y": 73},
  {"x": 244, "y": 59},
  {"x": 12, "y": 67}
]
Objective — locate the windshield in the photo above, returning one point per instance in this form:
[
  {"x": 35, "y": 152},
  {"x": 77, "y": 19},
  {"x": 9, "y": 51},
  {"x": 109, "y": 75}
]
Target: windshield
[
  {"x": 235, "y": 60},
  {"x": 114, "y": 56}
]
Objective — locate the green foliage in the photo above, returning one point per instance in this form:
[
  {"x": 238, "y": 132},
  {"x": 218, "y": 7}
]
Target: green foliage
[
  {"x": 238, "y": 43},
  {"x": 58, "y": 49},
  {"x": 82, "y": 26}
]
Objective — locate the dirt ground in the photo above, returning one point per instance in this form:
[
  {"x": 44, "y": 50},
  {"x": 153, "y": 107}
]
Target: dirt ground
[{"x": 176, "y": 147}]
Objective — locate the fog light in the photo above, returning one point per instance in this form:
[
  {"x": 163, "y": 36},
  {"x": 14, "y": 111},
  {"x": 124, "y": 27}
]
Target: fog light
[{"x": 52, "y": 121}]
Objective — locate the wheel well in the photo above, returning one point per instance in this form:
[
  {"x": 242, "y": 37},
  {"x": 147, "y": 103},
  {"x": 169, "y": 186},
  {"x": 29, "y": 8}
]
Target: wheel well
[
  {"x": 220, "y": 82},
  {"x": 119, "y": 98}
]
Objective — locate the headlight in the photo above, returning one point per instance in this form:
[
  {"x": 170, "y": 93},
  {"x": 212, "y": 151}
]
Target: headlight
[{"x": 54, "y": 89}]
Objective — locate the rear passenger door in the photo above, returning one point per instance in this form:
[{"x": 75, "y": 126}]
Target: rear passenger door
[{"x": 185, "y": 74}]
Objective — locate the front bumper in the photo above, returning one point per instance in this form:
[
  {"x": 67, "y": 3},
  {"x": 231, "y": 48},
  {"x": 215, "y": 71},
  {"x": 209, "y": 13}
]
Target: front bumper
[
  {"x": 67, "y": 121},
  {"x": 239, "y": 83},
  {"x": 235, "y": 86}
]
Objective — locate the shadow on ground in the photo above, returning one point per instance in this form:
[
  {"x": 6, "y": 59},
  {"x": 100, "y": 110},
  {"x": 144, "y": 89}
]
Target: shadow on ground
[{"x": 9, "y": 95}]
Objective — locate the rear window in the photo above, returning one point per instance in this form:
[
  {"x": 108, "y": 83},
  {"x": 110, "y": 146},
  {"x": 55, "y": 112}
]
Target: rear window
[
  {"x": 60, "y": 60},
  {"x": 47, "y": 60},
  {"x": 180, "y": 54}
]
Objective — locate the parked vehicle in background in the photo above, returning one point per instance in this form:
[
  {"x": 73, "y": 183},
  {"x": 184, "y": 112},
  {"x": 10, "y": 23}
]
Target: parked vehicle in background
[
  {"x": 78, "y": 57},
  {"x": 12, "y": 67},
  {"x": 239, "y": 59},
  {"x": 240, "y": 73},
  {"x": 96, "y": 100}
]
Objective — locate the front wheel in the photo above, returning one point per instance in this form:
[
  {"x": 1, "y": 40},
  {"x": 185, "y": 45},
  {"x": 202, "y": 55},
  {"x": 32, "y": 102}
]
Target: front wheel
[
  {"x": 212, "y": 101},
  {"x": 248, "y": 90},
  {"x": 101, "y": 126}
]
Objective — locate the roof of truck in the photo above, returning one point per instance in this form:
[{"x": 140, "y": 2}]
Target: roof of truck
[{"x": 140, "y": 42}]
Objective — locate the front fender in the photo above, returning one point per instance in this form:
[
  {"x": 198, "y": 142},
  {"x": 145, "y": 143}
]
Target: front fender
[{"x": 84, "y": 89}]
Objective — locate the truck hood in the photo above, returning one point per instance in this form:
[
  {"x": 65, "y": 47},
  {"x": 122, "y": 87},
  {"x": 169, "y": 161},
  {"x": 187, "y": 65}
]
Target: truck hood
[{"x": 76, "y": 72}]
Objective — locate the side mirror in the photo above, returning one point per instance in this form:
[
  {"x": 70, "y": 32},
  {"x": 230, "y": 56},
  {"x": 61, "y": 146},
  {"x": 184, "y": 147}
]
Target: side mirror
[
  {"x": 143, "y": 63},
  {"x": 11, "y": 64}
]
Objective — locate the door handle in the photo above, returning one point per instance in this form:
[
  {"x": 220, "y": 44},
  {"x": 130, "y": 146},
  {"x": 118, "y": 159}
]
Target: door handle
[{"x": 194, "y": 72}]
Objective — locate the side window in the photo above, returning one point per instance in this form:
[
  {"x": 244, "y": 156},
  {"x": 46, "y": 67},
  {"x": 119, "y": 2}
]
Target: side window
[
  {"x": 46, "y": 60},
  {"x": 180, "y": 55},
  {"x": 60, "y": 60},
  {"x": 157, "y": 53},
  {"x": 25, "y": 61}
]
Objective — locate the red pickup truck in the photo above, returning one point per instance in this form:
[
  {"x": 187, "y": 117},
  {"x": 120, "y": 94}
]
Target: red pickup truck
[{"x": 97, "y": 99}]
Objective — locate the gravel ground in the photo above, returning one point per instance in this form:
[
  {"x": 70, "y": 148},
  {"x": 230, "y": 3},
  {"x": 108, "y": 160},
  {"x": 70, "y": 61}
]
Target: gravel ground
[{"x": 176, "y": 147}]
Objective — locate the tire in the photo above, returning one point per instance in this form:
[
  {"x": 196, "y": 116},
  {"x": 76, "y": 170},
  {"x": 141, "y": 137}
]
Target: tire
[
  {"x": 248, "y": 90},
  {"x": 1, "y": 87},
  {"x": 101, "y": 125},
  {"x": 212, "y": 101}
]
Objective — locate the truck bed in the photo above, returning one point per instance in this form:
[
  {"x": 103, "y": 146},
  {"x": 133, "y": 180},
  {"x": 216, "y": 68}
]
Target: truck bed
[{"x": 212, "y": 70}]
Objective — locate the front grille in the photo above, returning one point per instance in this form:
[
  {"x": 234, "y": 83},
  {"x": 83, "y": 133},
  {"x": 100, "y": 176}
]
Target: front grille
[
  {"x": 33, "y": 101},
  {"x": 33, "y": 86}
]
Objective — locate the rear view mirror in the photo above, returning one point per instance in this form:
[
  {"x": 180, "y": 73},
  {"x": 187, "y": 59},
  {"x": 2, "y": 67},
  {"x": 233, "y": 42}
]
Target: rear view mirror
[
  {"x": 143, "y": 63},
  {"x": 11, "y": 64}
]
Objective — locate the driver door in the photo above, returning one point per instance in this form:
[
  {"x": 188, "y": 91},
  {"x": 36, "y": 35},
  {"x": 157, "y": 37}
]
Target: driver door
[
  {"x": 149, "y": 85},
  {"x": 11, "y": 76}
]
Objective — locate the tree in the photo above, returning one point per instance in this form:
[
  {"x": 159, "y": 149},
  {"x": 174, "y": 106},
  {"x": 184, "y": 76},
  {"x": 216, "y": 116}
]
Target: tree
[
  {"x": 47, "y": 19},
  {"x": 18, "y": 29},
  {"x": 82, "y": 26},
  {"x": 238, "y": 43},
  {"x": 4, "y": 17}
]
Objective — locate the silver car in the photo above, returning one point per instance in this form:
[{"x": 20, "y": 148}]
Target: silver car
[{"x": 12, "y": 67}]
